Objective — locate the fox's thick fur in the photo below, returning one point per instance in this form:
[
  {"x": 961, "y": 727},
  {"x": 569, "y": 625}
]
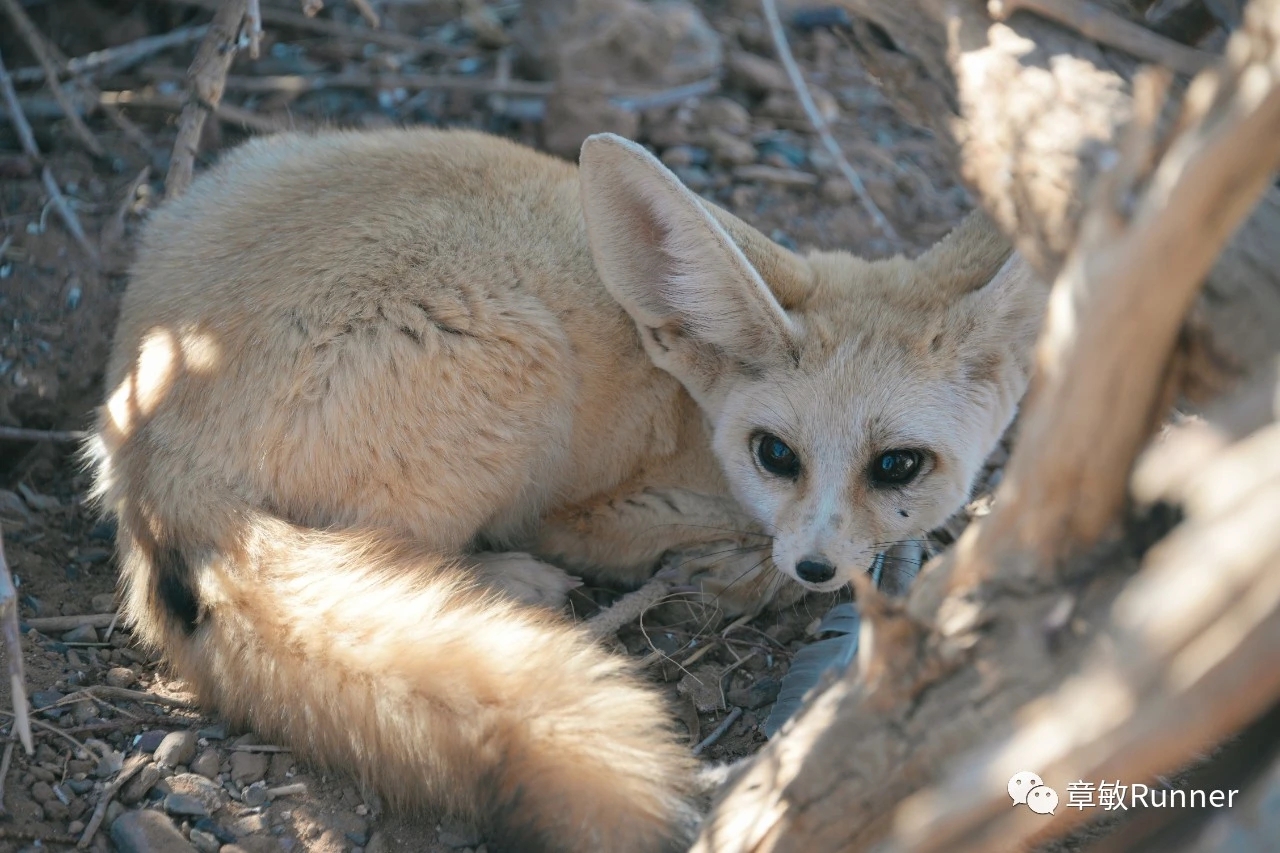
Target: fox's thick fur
[{"x": 372, "y": 393}]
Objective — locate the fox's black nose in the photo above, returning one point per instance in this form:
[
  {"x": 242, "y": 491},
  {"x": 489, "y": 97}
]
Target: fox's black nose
[{"x": 815, "y": 570}]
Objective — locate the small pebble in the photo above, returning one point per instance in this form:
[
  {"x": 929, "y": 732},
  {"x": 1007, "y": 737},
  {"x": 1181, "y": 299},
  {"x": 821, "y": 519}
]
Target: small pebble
[
  {"x": 197, "y": 787},
  {"x": 205, "y": 842},
  {"x": 218, "y": 731},
  {"x": 104, "y": 603},
  {"x": 248, "y": 767},
  {"x": 121, "y": 676},
  {"x": 140, "y": 785},
  {"x": 206, "y": 763},
  {"x": 184, "y": 806},
  {"x": 148, "y": 832},
  {"x": 759, "y": 694},
  {"x": 148, "y": 741},
  {"x": 176, "y": 748}
]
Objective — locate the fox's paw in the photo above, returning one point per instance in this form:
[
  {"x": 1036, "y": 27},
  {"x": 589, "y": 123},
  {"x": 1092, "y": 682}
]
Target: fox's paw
[
  {"x": 729, "y": 576},
  {"x": 525, "y": 578}
]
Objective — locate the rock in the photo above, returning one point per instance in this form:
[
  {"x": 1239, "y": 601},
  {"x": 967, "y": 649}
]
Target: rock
[
  {"x": 257, "y": 844},
  {"x": 80, "y": 786},
  {"x": 207, "y": 792},
  {"x": 176, "y": 748},
  {"x": 43, "y": 699},
  {"x": 837, "y": 190},
  {"x": 702, "y": 685},
  {"x": 755, "y": 74},
  {"x": 139, "y": 786},
  {"x": 377, "y": 844},
  {"x": 184, "y": 806},
  {"x": 148, "y": 832},
  {"x": 206, "y": 764},
  {"x": 729, "y": 150},
  {"x": 457, "y": 834},
  {"x": 725, "y": 115},
  {"x": 248, "y": 767},
  {"x": 83, "y": 634},
  {"x": 14, "y": 514},
  {"x": 694, "y": 177},
  {"x": 42, "y": 792},
  {"x": 619, "y": 43},
  {"x": 218, "y": 731},
  {"x": 785, "y": 105},
  {"x": 678, "y": 156},
  {"x": 760, "y": 693},
  {"x": 278, "y": 768},
  {"x": 774, "y": 175},
  {"x": 205, "y": 842},
  {"x": 149, "y": 741},
  {"x": 54, "y": 810},
  {"x": 121, "y": 676},
  {"x": 574, "y": 113},
  {"x": 254, "y": 795},
  {"x": 208, "y": 826},
  {"x": 83, "y": 711},
  {"x": 248, "y": 825},
  {"x": 104, "y": 603}
]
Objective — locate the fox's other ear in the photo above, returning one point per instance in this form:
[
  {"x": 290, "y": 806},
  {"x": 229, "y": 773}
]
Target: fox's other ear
[
  {"x": 699, "y": 303},
  {"x": 1005, "y": 315}
]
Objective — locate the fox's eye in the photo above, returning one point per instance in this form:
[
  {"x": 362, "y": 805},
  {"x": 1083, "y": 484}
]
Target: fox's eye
[
  {"x": 896, "y": 467},
  {"x": 776, "y": 457}
]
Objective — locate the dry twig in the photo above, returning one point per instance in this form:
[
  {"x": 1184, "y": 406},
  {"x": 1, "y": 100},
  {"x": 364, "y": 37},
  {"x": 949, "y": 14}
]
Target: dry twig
[
  {"x": 8, "y": 433},
  {"x": 46, "y": 624},
  {"x": 1106, "y": 27},
  {"x": 207, "y": 79},
  {"x": 36, "y": 44},
  {"x": 335, "y": 29},
  {"x": 13, "y": 648},
  {"x": 819, "y": 123},
  {"x": 719, "y": 731},
  {"x": 119, "y": 57},
  {"x": 28, "y": 141},
  {"x": 4, "y": 772},
  {"x": 127, "y": 772}
]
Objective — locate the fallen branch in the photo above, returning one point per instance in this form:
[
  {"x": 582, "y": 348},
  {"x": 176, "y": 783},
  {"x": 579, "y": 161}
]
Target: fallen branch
[
  {"x": 46, "y": 624},
  {"x": 207, "y": 79},
  {"x": 8, "y": 433},
  {"x": 718, "y": 732},
  {"x": 13, "y": 649},
  {"x": 119, "y": 57},
  {"x": 36, "y": 44},
  {"x": 127, "y": 772},
  {"x": 28, "y": 142},
  {"x": 819, "y": 122},
  {"x": 335, "y": 29},
  {"x": 1106, "y": 27}
]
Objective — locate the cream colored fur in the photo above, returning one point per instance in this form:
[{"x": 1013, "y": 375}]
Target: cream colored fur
[{"x": 371, "y": 403}]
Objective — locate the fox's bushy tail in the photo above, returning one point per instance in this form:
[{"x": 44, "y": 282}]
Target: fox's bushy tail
[{"x": 373, "y": 655}]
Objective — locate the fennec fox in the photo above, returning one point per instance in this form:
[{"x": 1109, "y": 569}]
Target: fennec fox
[{"x": 376, "y": 398}]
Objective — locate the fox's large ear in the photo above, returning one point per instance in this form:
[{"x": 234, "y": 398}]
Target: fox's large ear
[
  {"x": 700, "y": 305},
  {"x": 997, "y": 297}
]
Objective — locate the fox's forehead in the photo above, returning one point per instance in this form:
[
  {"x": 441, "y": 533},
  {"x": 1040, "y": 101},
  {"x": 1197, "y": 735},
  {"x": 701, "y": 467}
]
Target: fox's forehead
[{"x": 866, "y": 395}]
